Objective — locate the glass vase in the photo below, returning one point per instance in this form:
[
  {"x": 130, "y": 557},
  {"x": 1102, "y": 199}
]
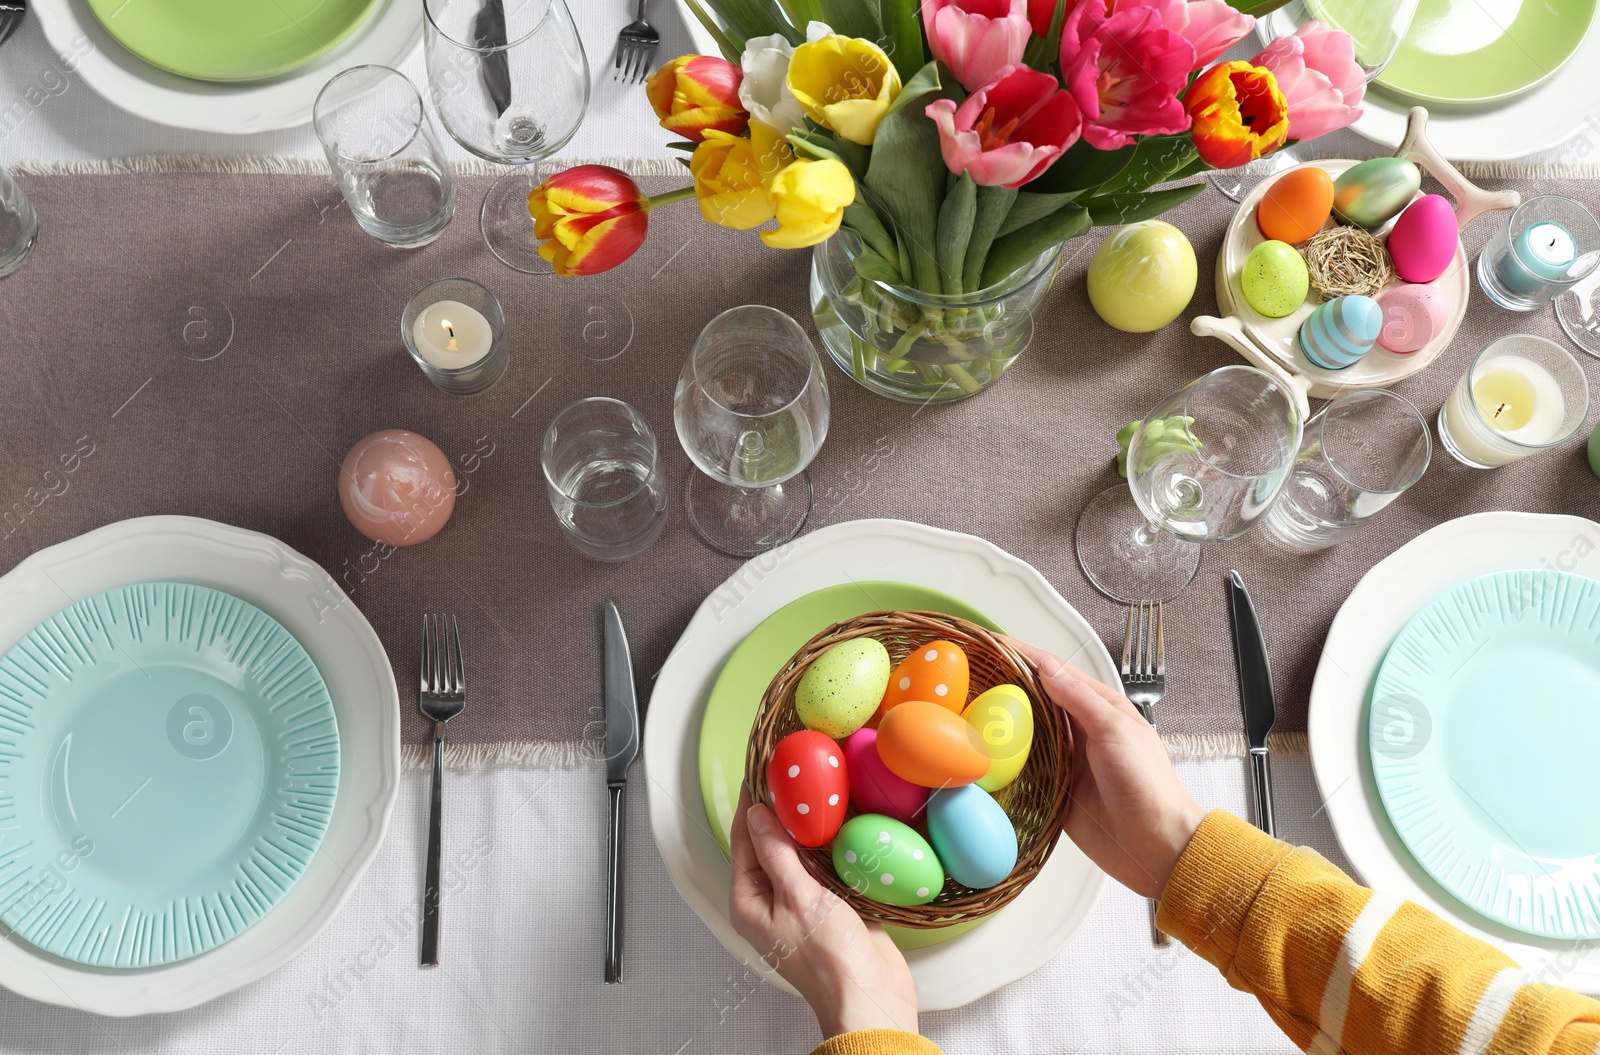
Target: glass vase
[{"x": 919, "y": 347}]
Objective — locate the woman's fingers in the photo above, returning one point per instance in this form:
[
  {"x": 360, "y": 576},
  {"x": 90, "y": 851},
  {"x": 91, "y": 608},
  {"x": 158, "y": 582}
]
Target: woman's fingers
[
  {"x": 777, "y": 853},
  {"x": 1093, "y": 704},
  {"x": 748, "y": 876}
]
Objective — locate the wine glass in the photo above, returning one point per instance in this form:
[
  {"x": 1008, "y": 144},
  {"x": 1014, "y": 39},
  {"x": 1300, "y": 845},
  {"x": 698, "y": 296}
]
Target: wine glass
[
  {"x": 751, "y": 410},
  {"x": 511, "y": 86},
  {"x": 1375, "y": 27},
  {"x": 1203, "y": 466}
]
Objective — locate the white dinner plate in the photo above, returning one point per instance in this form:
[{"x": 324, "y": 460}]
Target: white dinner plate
[
  {"x": 1380, "y": 606},
  {"x": 308, "y": 603},
  {"x": 1540, "y": 119},
  {"x": 1019, "y": 938},
  {"x": 387, "y": 38}
]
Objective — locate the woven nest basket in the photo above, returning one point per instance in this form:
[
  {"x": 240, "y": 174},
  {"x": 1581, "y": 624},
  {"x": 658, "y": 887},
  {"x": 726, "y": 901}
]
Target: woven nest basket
[{"x": 1037, "y": 801}]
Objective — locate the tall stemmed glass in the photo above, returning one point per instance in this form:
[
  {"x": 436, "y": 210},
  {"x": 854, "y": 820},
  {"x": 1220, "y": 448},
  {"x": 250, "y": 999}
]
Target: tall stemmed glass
[
  {"x": 511, "y": 83},
  {"x": 751, "y": 411},
  {"x": 1376, "y": 28},
  {"x": 1204, "y": 465}
]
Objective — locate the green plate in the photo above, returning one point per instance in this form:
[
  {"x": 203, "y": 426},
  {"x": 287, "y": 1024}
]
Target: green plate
[
  {"x": 731, "y": 708},
  {"x": 1467, "y": 51},
  {"x": 230, "y": 40},
  {"x": 169, "y": 759},
  {"x": 1484, "y": 731}
]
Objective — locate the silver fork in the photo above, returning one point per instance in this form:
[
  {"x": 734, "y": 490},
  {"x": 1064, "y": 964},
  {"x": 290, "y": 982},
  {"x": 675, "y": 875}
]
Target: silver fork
[
  {"x": 443, "y": 696},
  {"x": 1144, "y": 682},
  {"x": 11, "y": 12},
  {"x": 636, "y": 49}
]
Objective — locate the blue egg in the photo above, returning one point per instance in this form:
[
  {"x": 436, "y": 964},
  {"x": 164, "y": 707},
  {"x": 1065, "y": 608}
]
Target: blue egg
[
  {"x": 972, "y": 836},
  {"x": 1341, "y": 331}
]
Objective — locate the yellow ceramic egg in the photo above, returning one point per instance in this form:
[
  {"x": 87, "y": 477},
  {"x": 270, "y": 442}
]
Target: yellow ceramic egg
[
  {"x": 1142, "y": 276},
  {"x": 1003, "y": 717}
]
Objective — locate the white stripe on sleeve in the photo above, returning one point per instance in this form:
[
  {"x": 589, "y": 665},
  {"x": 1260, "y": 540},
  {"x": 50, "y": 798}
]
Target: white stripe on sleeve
[{"x": 1353, "y": 950}]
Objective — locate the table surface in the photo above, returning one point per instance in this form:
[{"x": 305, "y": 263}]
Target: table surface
[{"x": 521, "y": 949}]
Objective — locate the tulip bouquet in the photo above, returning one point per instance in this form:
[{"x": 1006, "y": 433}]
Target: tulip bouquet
[{"x": 957, "y": 144}]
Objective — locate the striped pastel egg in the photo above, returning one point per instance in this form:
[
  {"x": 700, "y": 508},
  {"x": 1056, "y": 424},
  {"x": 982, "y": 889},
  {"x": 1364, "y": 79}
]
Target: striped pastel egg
[{"x": 1341, "y": 331}]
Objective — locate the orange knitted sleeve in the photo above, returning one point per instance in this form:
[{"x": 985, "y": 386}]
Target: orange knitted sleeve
[{"x": 877, "y": 1042}]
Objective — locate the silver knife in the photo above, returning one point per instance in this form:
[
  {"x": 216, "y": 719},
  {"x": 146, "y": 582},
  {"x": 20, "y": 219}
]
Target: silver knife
[
  {"x": 1255, "y": 693},
  {"x": 622, "y": 747}
]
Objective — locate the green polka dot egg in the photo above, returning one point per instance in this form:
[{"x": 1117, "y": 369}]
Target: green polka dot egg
[{"x": 886, "y": 861}]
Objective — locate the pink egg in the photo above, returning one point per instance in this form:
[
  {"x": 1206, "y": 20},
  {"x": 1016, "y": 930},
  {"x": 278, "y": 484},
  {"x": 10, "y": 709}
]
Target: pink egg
[
  {"x": 1412, "y": 316},
  {"x": 873, "y": 788},
  {"x": 397, "y": 488},
  {"x": 1422, "y": 242}
]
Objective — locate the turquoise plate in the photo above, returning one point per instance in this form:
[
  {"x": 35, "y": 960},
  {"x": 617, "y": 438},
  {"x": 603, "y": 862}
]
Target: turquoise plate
[
  {"x": 168, "y": 764},
  {"x": 1485, "y": 734}
]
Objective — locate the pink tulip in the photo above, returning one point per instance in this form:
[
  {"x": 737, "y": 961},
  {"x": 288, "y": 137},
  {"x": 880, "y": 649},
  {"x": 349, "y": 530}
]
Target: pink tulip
[
  {"x": 1008, "y": 131},
  {"x": 976, "y": 38},
  {"x": 1317, "y": 73},
  {"x": 1212, "y": 26},
  {"x": 1126, "y": 69}
]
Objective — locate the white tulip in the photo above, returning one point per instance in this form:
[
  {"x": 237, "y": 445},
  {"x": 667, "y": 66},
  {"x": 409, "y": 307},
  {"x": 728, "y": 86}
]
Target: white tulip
[{"x": 764, "y": 91}]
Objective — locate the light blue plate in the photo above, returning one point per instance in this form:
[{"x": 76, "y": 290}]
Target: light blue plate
[
  {"x": 1485, "y": 740},
  {"x": 168, "y": 764}
]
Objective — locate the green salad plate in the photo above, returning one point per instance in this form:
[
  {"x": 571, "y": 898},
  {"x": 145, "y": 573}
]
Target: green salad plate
[
  {"x": 1484, "y": 732},
  {"x": 231, "y": 40},
  {"x": 731, "y": 708},
  {"x": 1469, "y": 52},
  {"x": 169, "y": 759}
]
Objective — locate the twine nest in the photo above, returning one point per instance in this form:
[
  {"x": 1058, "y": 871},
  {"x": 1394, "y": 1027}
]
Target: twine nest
[
  {"x": 1347, "y": 261},
  {"x": 1037, "y": 801}
]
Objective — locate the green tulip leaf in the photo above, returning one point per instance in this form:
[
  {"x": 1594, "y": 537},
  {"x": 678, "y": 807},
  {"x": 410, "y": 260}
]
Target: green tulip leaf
[
  {"x": 905, "y": 184},
  {"x": 1016, "y": 249},
  {"x": 902, "y": 36},
  {"x": 994, "y": 205},
  {"x": 1082, "y": 168},
  {"x": 1031, "y": 207},
  {"x": 956, "y": 217},
  {"x": 1111, "y": 209},
  {"x": 859, "y": 217}
]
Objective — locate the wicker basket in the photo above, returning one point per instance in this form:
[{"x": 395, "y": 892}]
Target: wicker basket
[{"x": 1037, "y": 801}]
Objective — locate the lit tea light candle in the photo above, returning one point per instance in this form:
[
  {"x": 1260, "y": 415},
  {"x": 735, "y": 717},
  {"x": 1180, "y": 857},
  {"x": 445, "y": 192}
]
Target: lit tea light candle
[
  {"x": 452, "y": 335},
  {"x": 455, "y": 330},
  {"x": 1510, "y": 406},
  {"x": 1543, "y": 253}
]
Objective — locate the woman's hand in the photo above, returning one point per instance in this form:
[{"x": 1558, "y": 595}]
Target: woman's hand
[
  {"x": 846, "y": 969},
  {"x": 1129, "y": 812}
]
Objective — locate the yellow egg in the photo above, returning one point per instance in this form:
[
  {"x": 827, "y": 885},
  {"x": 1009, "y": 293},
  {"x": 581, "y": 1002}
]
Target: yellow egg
[
  {"x": 1003, "y": 717},
  {"x": 1142, "y": 276}
]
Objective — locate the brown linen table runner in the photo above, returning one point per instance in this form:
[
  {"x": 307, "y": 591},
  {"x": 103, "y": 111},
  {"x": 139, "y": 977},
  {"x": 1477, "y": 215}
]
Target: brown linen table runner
[{"x": 209, "y": 338}]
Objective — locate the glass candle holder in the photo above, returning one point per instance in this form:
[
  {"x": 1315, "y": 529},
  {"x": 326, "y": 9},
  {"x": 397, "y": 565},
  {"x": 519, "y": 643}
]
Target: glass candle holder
[
  {"x": 1522, "y": 395},
  {"x": 18, "y": 225},
  {"x": 382, "y": 150},
  {"x": 456, "y": 332},
  {"x": 1547, "y": 245},
  {"x": 603, "y": 471}
]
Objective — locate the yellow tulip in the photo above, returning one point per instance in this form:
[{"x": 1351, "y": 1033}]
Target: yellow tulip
[
  {"x": 844, "y": 83},
  {"x": 731, "y": 176},
  {"x": 809, "y": 199}
]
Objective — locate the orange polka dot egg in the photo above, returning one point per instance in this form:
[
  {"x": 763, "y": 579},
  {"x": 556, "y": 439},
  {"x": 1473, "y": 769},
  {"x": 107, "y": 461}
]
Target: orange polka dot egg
[{"x": 935, "y": 673}]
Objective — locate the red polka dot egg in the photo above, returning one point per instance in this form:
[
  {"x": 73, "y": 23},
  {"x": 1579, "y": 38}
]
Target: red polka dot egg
[{"x": 809, "y": 785}]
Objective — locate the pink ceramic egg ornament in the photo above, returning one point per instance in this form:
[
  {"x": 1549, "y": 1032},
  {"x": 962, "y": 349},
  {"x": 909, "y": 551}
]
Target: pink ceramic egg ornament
[
  {"x": 1422, "y": 242},
  {"x": 1413, "y": 315},
  {"x": 874, "y": 788},
  {"x": 397, "y": 487}
]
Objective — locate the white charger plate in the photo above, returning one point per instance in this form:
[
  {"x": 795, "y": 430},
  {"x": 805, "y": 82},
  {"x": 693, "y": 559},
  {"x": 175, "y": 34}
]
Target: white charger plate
[
  {"x": 388, "y": 38},
  {"x": 304, "y": 599},
  {"x": 1014, "y": 942},
  {"x": 1385, "y": 599}
]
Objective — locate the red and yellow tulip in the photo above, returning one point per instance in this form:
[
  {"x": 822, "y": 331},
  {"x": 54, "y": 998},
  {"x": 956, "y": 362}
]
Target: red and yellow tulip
[
  {"x": 1239, "y": 114},
  {"x": 589, "y": 218},
  {"x": 693, "y": 94}
]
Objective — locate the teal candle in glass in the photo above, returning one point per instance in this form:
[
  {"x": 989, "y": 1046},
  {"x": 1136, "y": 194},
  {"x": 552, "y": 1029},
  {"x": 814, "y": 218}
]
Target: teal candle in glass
[{"x": 1540, "y": 255}]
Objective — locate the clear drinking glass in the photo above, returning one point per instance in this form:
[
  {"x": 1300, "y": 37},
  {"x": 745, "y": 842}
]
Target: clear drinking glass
[
  {"x": 1375, "y": 27},
  {"x": 751, "y": 411},
  {"x": 382, "y": 150},
  {"x": 603, "y": 472},
  {"x": 511, "y": 84},
  {"x": 1546, "y": 246},
  {"x": 1359, "y": 453},
  {"x": 1523, "y": 394},
  {"x": 1204, "y": 465},
  {"x": 18, "y": 225}
]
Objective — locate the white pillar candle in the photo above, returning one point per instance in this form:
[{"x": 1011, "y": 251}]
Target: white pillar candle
[
  {"x": 452, "y": 335},
  {"x": 1512, "y": 407}
]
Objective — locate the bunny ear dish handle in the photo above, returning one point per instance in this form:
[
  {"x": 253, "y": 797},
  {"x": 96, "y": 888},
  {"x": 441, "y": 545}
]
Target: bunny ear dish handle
[{"x": 1471, "y": 200}]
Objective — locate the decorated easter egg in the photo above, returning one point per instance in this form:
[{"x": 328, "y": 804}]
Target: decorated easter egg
[
  {"x": 886, "y": 861},
  {"x": 1003, "y": 717},
  {"x": 1422, "y": 242},
  {"x": 1413, "y": 315},
  {"x": 929, "y": 745},
  {"x": 1341, "y": 331},
  {"x": 843, "y": 687},
  {"x": 1296, "y": 205},
  {"x": 809, "y": 782},
  {"x": 1275, "y": 280},
  {"x": 1142, "y": 276},
  {"x": 873, "y": 787},
  {"x": 936, "y": 672},
  {"x": 1368, "y": 194},
  {"x": 972, "y": 835}
]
